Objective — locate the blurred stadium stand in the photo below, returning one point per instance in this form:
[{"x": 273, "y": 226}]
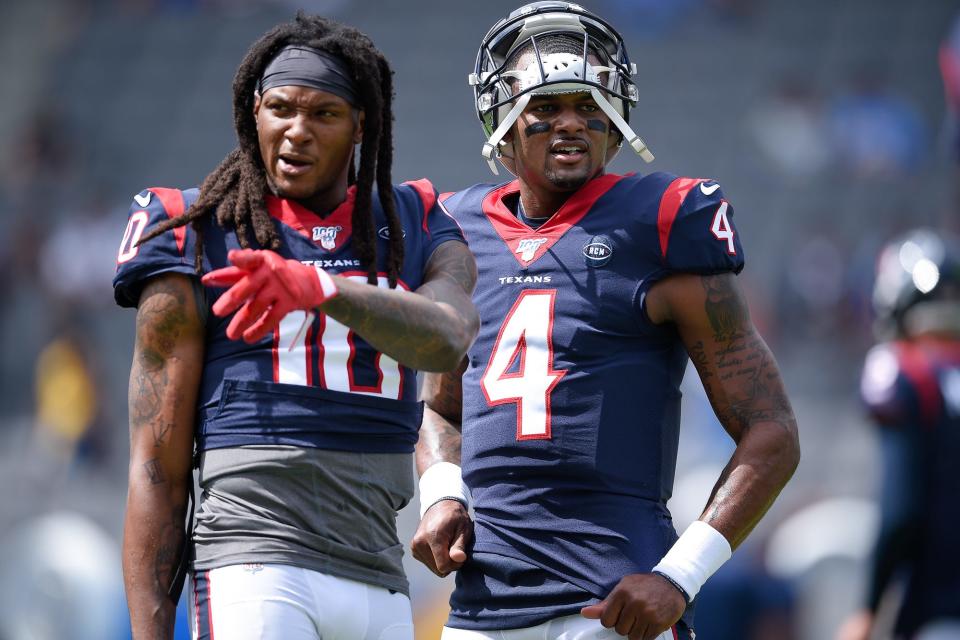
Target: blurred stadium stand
[{"x": 102, "y": 98}]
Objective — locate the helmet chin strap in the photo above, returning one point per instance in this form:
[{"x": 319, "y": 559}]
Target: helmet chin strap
[
  {"x": 491, "y": 145},
  {"x": 632, "y": 138}
]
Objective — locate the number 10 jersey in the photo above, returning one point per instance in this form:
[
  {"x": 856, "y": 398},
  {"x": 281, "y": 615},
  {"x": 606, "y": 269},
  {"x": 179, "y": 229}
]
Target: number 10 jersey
[{"x": 330, "y": 390}]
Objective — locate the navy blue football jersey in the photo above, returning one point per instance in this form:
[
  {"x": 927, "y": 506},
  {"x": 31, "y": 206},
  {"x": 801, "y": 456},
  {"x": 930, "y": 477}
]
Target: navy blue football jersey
[
  {"x": 912, "y": 391},
  {"x": 330, "y": 389},
  {"x": 571, "y": 400}
]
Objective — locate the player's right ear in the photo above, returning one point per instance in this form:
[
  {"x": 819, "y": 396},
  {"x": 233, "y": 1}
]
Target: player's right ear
[{"x": 256, "y": 104}]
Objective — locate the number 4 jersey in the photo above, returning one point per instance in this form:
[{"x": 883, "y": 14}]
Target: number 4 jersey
[
  {"x": 331, "y": 390},
  {"x": 571, "y": 400}
]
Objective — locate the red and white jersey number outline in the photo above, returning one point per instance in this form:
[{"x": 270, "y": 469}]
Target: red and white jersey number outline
[
  {"x": 526, "y": 334},
  {"x": 334, "y": 346},
  {"x": 722, "y": 229},
  {"x": 131, "y": 236}
]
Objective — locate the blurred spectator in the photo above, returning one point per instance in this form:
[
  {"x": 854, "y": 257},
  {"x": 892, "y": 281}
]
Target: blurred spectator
[
  {"x": 875, "y": 132},
  {"x": 950, "y": 71},
  {"x": 68, "y": 421},
  {"x": 813, "y": 289},
  {"x": 43, "y": 157},
  {"x": 78, "y": 258},
  {"x": 26, "y": 319},
  {"x": 790, "y": 130}
]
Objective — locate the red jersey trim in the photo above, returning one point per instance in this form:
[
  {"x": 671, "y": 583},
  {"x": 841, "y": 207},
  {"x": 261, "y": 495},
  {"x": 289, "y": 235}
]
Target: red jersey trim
[
  {"x": 428, "y": 196},
  {"x": 670, "y": 203},
  {"x": 304, "y": 221},
  {"x": 917, "y": 360},
  {"x": 172, "y": 201},
  {"x": 514, "y": 232}
]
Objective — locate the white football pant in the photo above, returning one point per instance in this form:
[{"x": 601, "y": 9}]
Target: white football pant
[
  {"x": 283, "y": 602},
  {"x": 574, "y": 627}
]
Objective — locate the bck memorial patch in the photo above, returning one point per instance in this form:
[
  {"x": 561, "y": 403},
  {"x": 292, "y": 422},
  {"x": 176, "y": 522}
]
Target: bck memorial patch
[{"x": 598, "y": 251}]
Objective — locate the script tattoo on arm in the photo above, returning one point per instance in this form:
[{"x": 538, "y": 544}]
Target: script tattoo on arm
[
  {"x": 743, "y": 383},
  {"x": 740, "y": 376}
]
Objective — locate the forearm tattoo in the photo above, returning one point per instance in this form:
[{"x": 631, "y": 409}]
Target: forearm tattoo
[
  {"x": 154, "y": 471},
  {"x": 443, "y": 392},
  {"x": 169, "y": 550},
  {"x": 409, "y": 328},
  {"x": 737, "y": 369},
  {"x": 440, "y": 433}
]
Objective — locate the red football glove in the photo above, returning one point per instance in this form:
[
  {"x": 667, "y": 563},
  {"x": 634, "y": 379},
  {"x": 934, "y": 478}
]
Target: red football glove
[{"x": 265, "y": 288}]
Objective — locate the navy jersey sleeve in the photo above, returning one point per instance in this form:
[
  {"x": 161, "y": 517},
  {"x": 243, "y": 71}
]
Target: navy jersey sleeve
[
  {"x": 898, "y": 386},
  {"x": 438, "y": 226},
  {"x": 170, "y": 252},
  {"x": 695, "y": 225}
]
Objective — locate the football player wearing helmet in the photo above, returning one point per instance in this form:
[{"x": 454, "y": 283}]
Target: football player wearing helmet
[
  {"x": 911, "y": 389},
  {"x": 559, "y": 431}
]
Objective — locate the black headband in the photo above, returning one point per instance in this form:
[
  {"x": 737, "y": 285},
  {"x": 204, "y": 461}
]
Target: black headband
[{"x": 303, "y": 66}]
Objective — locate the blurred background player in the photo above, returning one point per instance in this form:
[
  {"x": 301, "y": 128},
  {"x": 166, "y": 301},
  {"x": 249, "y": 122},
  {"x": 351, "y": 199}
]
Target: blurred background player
[
  {"x": 594, "y": 290},
  {"x": 911, "y": 387},
  {"x": 304, "y": 436}
]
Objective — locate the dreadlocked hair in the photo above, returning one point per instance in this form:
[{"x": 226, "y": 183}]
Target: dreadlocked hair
[{"x": 235, "y": 190}]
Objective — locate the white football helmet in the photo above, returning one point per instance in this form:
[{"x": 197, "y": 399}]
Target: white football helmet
[{"x": 502, "y": 91}]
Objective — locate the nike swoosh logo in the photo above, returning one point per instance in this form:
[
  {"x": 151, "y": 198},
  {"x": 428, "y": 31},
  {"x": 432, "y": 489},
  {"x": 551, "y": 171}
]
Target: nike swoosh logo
[
  {"x": 707, "y": 191},
  {"x": 145, "y": 200}
]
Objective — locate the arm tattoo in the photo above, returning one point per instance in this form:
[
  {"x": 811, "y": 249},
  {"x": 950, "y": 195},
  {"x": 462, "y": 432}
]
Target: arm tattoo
[
  {"x": 160, "y": 320},
  {"x": 737, "y": 370},
  {"x": 453, "y": 263},
  {"x": 154, "y": 471},
  {"x": 171, "y": 540},
  {"x": 414, "y": 329},
  {"x": 724, "y": 308},
  {"x": 439, "y": 442},
  {"x": 440, "y": 431},
  {"x": 444, "y": 393}
]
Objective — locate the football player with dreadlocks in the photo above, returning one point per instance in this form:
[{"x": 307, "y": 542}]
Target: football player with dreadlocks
[
  {"x": 911, "y": 388},
  {"x": 304, "y": 435},
  {"x": 594, "y": 291}
]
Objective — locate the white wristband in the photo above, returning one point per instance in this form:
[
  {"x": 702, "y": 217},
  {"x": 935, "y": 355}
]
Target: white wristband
[
  {"x": 694, "y": 557},
  {"x": 442, "y": 481}
]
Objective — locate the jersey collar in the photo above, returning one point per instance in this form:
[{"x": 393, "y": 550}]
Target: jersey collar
[
  {"x": 329, "y": 233},
  {"x": 527, "y": 244}
]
